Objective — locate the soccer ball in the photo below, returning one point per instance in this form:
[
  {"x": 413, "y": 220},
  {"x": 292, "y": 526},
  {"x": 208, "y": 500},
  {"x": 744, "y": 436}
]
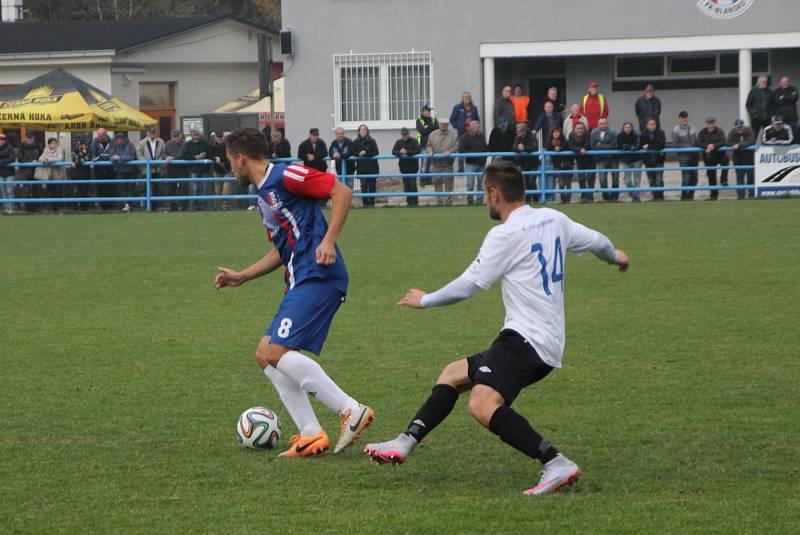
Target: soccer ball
[{"x": 259, "y": 428}]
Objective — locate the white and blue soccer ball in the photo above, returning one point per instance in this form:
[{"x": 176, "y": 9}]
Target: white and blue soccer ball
[{"x": 259, "y": 428}]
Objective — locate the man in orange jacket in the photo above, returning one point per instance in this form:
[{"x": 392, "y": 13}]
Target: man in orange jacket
[
  {"x": 594, "y": 105},
  {"x": 521, "y": 103}
]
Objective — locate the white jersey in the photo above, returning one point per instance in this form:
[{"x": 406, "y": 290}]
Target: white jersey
[{"x": 526, "y": 253}]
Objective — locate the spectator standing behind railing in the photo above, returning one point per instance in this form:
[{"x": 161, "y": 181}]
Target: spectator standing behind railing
[
  {"x": 27, "y": 152},
  {"x": 504, "y": 107},
  {"x": 777, "y": 133},
  {"x": 603, "y": 138},
  {"x": 426, "y": 124},
  {"x": 558, "y": 106},
  {"x": 648, "y": 105},
  {"x": 197, "y": 148},
  {"x": 684, "y": 136},
  {"x": 525, "y": 142},
  {"x": 522, "y": 105},
  {"x": 760, "y": 105},
  {"x": 172, "y": 151},
  {"x": 558, "y": 143},
  {"x": 7, "y": 157},
  {"x": 79, "y": 171},
  {"x": 122, "y": 154},
  {"x": 443, "y": 141},
  {"x": 222, "y": 169},
  {"x": 579, "y": 143},
  {"x": 102, "y": 145},
  {"x": 654, "y": 139},
  {"x": 406, "y": 148},
  {"x": 278, "y": 147},
  {"x": 710, "y": 139},
  {"x": 51, "y": 154},
  {"x": 502, "y": 138},
  {"x": 364, "y": 146},
  {"x": 547, "y": 121},
  {"x": 785, "y": 99},
  {"x": 474, "y": 141},
  {"x": 739, "y": 139},
  {"x": 151, "y": 148},
  {"x": 313, "y": 150},
  {"x": 594, "y": 105},
  {"x": 339, "y": 151},
  {"x": 573, "y": 119},
  {"x": 463, "y": 113},
  {"x": 628, "y": 141}
]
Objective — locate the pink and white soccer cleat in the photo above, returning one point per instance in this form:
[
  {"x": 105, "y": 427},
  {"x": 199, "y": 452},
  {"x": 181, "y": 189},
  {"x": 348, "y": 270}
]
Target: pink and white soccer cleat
[
  {"x": 393, "y": 451},
  {"x": 557, "y": 474}
]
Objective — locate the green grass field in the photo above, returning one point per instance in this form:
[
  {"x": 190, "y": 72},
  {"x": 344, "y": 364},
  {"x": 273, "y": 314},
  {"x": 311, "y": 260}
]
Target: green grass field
[{"x": 123, "y": 373}]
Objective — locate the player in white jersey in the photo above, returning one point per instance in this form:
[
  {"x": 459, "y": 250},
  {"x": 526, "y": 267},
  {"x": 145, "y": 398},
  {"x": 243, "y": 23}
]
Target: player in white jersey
[{"x": 526, "y": 253}]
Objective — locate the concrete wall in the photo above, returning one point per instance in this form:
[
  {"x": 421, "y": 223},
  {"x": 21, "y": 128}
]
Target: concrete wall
[{"x": 453, "y": 33}]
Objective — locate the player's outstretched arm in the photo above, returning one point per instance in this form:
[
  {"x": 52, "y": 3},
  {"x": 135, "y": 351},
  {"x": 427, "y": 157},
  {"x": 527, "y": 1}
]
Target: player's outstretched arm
[
  {"x": 341, "y": 196},
  {"x": 229, "y": 277},
  {"x": 458, "y": 290}
]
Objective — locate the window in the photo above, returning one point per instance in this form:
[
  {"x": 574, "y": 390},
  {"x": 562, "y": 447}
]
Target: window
[
  {"x": 686, "y": 66},
  {"x": 386, "y": 90},
  {"x": 157, "y": 95},
  {"x": 640, "y": 66}
]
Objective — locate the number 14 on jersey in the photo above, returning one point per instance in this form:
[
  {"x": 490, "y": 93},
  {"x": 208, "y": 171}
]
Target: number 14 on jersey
[{"x": 557, "y": 273}]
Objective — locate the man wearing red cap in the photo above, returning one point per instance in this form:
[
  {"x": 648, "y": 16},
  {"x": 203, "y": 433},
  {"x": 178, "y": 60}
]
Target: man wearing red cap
[{"x": 594, "y": 105}]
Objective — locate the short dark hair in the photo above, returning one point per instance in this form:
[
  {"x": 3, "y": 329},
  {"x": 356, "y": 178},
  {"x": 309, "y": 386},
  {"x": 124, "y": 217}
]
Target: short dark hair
[
  {"x": 247, "y": 141},
  {"x": 507, "y": 178},
  {"x": 50, "y": 140},
  {"x": 683, "y": 114}
]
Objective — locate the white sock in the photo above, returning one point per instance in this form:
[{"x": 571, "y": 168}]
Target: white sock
[
  {"x": 295, "y": 400},
  {"x": 315, "y": 381}
]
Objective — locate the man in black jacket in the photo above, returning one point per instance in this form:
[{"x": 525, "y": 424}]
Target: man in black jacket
[
  {"x": 579, "y": 143},
  {"x": 313, "y": 151},
  {"x": 760, "y": 104},
  {"x": 28, "y": 152},
  {"x": 740, "y": 139},
  {"x": 426, "y": 124},
  {"x": 339, "y": 151},
  {"x": 648, "y": 105},
  {"x": 654, "y": 139},
  {"x": 278, "y": 146},
  {"x": 502, "y": 138},
  {"x": 474, "y": 141},
  {"x": 406, "y": 148},
  {"x": 785, "y": 100},
  {"x": 710, "y": 139}
]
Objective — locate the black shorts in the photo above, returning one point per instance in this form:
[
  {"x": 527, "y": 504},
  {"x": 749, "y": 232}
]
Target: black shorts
[{"x": 508, "y": 366}]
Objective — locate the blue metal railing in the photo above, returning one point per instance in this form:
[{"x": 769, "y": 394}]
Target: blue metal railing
[{"x": 542, "y": 190}]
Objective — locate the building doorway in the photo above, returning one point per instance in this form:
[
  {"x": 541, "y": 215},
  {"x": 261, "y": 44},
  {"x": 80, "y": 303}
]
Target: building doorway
[
  {"x": 538, "y": 86},
  {"x": 157, "y": 99}
]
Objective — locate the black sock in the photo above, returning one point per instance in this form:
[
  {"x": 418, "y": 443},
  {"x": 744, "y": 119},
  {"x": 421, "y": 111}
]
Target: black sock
[
  {"x": 433, "y": 412},
  {"x": 515, "y": 431}
]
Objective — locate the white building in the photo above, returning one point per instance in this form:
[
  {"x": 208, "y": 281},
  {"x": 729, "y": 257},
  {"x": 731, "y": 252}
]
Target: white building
[{"x": 172, "y": 69}]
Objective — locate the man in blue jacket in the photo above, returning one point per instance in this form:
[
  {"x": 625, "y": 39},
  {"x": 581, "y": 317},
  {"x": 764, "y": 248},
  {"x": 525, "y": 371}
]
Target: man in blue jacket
[{"x": 463, "y": 113}]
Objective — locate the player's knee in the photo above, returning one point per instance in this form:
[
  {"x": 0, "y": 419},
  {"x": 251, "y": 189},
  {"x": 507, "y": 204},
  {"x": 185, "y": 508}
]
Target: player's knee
[
  {"x": 482, "y": 404},
  {"x": 262, "y": 357}
]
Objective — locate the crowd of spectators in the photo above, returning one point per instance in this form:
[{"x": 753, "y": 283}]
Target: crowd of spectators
[{"x": 523, "y": 126}]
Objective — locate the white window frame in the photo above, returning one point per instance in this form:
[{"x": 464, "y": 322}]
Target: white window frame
[
  {"x": 383, "y": 61},
  {"x": 681, "y": 76}
]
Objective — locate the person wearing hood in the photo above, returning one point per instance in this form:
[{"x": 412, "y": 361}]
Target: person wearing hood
[
  {"x": 122, "y": 154},
  {"x": 501, "y": 138},
  {"x": 364, "y": 146}
]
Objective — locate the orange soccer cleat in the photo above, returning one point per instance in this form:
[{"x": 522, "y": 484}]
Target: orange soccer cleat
[{"x": 307, "y": 446}]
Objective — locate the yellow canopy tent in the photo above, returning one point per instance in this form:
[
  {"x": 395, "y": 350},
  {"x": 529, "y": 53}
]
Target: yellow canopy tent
[
  {"x": 250, "y": 103},
  {"x": 58, "y": 101},
  {"x": 262, "y": 106}
]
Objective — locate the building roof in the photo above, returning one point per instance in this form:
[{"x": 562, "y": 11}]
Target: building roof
[{"x": 118, "y": 35}]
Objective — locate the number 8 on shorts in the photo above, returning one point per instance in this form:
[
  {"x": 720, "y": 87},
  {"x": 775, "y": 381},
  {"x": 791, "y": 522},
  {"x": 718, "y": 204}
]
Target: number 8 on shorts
[{"x": 284, "y": 327}]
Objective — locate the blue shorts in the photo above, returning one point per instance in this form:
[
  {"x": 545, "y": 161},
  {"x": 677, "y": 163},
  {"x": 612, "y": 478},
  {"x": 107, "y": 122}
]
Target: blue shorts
[{"x": 305, "y": 315}]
